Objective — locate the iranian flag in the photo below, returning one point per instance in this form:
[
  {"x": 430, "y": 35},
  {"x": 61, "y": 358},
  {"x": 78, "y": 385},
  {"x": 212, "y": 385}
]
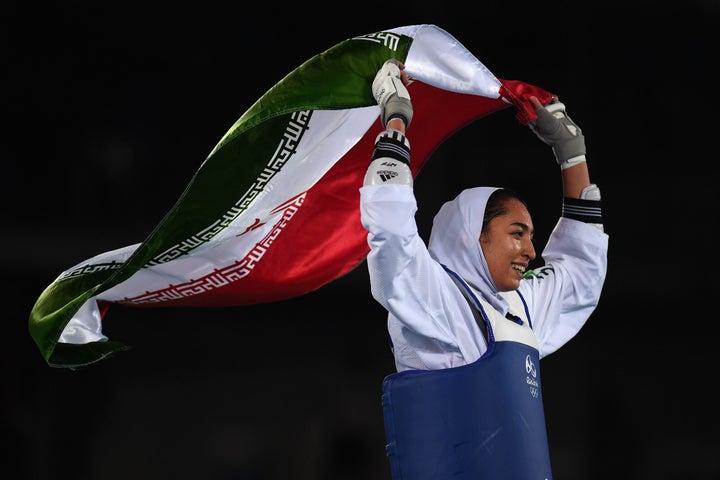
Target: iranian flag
[{"x": 273, "y": 211}]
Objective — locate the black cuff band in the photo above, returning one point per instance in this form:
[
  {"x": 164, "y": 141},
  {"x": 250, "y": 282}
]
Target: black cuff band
[
  {"x": 588, "y": 211},
  {"x": 392, "y": 144},
  {"x": 397, "y": 115}
]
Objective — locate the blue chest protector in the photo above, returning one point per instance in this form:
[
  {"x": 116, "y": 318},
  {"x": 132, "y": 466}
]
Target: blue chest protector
[{"x": 484, "y": 420}]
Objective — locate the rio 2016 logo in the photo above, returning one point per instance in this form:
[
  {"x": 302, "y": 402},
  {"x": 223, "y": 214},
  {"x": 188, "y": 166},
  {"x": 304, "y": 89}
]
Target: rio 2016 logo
[{"x": 530, "y": 379}]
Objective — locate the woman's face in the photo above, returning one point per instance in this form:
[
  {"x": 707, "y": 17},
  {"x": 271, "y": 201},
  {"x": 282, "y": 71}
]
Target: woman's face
[{"x": 508, "y": 247}]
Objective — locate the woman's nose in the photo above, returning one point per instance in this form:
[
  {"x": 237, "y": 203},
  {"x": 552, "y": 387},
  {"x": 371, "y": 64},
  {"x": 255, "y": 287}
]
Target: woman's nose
[{"x": 530, "y": 250}]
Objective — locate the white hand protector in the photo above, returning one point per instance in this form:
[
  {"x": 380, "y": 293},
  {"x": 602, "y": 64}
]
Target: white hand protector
[
  {"x": 556, "y": 129},
  {"x": 391, "y": 94}
]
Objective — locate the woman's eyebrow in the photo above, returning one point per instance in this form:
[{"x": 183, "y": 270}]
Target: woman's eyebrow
[{"x": 524, "y": 226}]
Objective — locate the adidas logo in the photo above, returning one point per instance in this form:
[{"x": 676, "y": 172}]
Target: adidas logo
[{"x": 386, "y": 175}]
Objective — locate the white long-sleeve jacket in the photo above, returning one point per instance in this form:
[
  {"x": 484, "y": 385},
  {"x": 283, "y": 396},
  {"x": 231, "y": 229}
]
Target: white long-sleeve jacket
[{"x": 430, "y": 321}]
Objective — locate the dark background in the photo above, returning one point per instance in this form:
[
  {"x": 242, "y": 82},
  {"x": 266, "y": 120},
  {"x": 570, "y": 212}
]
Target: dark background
[{"x": 108, "y": 110}]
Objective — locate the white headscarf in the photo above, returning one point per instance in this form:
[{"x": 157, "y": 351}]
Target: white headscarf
[{"x": 455, "y": 242}]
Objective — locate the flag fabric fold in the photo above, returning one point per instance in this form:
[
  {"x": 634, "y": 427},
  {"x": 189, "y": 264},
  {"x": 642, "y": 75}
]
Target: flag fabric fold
[{"x": 273, "y": 211}]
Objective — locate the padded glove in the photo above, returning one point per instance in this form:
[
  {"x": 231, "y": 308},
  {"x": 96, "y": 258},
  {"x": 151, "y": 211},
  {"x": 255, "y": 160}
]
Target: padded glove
[
  {"x": 556, "y": 129},
  {"x": 391, "y": 94}
]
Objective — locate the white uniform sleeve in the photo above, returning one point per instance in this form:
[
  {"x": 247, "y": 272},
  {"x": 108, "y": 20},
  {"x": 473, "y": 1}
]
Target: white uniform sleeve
[
  {"x": 563, "y": 293},
  {"x": 417, "y": 292}
]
